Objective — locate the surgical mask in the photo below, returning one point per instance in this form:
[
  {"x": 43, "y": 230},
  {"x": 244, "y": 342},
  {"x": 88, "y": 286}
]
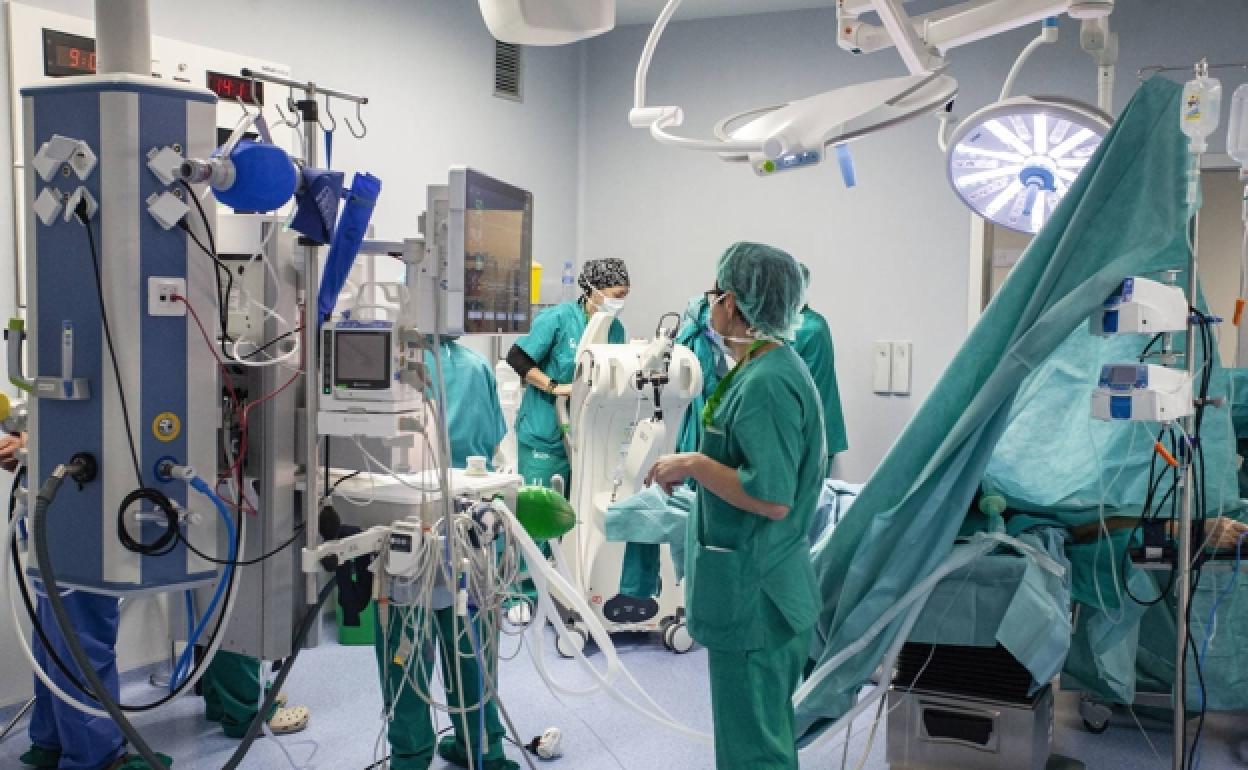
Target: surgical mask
[
  {"x": 717, "y": 338},
  {"x": 608, "y": 305}
]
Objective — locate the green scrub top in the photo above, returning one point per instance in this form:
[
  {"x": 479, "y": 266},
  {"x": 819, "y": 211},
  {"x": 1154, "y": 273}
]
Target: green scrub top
[
  {"x": 814, "y": 345},
  {"x": 692, "y": 335},
  {"x": 751, "y": 584},
  {"x": 551, "y": 343},
  {"x": 474, "y": 416}
]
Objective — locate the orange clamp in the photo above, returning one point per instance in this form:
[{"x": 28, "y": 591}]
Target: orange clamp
[
  {"x": 1239, "y": 311},
  {"x": 1165, "y": 455}
]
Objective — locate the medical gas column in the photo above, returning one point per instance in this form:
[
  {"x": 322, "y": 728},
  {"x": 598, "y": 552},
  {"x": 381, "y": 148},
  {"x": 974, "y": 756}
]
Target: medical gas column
[{"x": 115, "y": 365}]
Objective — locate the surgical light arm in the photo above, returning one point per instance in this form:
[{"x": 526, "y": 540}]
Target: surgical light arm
[{"x": 938, "y": 31}]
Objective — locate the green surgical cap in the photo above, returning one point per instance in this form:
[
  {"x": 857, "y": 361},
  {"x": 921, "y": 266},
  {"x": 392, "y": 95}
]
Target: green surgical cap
[
  {"x": 767, "y": 283},
  {"x": 805, "y": 274}
]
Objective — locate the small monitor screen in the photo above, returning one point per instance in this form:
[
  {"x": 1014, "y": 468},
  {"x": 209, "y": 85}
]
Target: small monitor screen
[
  {"x": 498, "y": 236},
  {"x": 362, "y": 360}
]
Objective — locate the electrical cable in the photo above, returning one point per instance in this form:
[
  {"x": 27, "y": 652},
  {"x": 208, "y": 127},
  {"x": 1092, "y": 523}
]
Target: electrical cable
[
  {"x": 261, "y": 716},
  {"x": 43, "y": 552},
  {"x": 273, "y": 342},
  {"x": 25, "y": 592},
  {"x": 81, "y": 212}
]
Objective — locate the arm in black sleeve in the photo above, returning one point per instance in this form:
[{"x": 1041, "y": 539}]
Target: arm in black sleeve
[{"x": 520, "y": 361}]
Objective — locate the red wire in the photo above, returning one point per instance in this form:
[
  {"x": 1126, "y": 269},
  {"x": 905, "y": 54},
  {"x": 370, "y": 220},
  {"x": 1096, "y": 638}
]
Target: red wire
[{"x": 246, "y": 410}]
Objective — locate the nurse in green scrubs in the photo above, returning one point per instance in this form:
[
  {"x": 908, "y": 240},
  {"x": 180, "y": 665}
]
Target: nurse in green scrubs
[
  {"x": 475, "y": 425},
  {"x": 751, "y": 595},
  {"x": 545, "y": 359},
  {"x": 814, "y": 344}
]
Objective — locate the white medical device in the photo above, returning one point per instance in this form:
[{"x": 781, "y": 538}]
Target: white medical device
[
  {"x": 1142, "y": 393},
  {"x": 476, "y": 276},
  {"x": 627, "y": 404},
  {"x": 1142, "y": 306},
  {"x": 794, "y": 134},
  {"x": 372, "y": 374}
]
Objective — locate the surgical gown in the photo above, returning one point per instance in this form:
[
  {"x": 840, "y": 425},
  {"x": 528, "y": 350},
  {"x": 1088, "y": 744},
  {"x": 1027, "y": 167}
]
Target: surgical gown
[
  {"x": 814, "y": 345},
  {"x": 751, "y": 592}
]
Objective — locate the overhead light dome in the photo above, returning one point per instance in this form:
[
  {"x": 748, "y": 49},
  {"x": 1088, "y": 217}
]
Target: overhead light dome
[{"x": 1013, "y": 162}]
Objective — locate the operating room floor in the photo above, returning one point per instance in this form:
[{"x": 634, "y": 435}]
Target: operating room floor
[{"x": 339, "y": 685}]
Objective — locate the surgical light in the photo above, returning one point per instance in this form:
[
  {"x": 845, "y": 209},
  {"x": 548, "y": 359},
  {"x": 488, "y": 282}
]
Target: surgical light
[
  {"x": 795, "y": 134},
  {"x": 1013, "y": 162}
]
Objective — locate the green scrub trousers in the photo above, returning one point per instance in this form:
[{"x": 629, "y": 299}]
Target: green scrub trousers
[
  {"x": 751, "y": 733},
  {"x": 413, "y": 739},
  {"x": 232, "y": 692}
]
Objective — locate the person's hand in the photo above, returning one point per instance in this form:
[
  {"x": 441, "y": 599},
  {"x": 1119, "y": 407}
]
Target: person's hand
[
  {"x": 672, "y": 470},
  {"x": 1224, "y": 533},
  {"x": 563, "y": 391},
  {"x": 9, "y": 446}
]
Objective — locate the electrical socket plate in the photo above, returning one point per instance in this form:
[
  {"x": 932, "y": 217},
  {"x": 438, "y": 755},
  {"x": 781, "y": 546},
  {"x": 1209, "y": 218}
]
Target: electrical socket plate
[{"x": 160, "y": 296}]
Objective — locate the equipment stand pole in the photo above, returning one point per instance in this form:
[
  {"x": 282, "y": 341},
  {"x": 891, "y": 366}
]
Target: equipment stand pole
[
  {"x": 311, "y": 336},
  {"x": 1183, "y": 559}
]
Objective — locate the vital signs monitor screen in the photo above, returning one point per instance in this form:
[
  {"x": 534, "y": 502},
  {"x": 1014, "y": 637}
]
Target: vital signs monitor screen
[{"x": 498, "y": 235}]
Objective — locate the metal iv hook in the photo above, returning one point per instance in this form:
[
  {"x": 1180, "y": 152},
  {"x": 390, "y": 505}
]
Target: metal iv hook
[
  {"x": 293, "y": 120},
  {"x": 333, "y": 124},
  {"x": 359, "y": 117}
]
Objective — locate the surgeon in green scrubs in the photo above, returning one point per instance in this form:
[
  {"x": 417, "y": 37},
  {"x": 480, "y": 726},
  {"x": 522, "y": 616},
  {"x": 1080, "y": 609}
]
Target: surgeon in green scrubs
[
  {"x": 814, "y": 344},
  {"x": 545, "y": 359},
  {"x": 476, "y": 426},
  {"x": 751, "y": 595}
]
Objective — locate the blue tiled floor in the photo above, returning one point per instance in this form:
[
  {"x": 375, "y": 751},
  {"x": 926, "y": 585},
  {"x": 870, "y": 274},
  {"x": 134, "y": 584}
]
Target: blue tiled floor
[{"x": 339, "y": 685}]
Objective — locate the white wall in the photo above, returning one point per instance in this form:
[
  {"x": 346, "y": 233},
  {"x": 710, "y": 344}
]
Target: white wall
[
  {"x": 427, "y": 68},
  {"x": 889, "y": 258}
]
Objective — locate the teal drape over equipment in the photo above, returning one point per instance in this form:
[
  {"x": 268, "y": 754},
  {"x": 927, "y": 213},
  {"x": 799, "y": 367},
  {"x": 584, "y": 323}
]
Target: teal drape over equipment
[{"x": 1125, "y": 215}]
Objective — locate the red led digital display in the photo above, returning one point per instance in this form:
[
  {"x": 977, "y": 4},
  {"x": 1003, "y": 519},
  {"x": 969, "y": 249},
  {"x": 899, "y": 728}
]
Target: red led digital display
[
  {"x": 66, "y": 54},
  {"x": 232, "y": 87}
]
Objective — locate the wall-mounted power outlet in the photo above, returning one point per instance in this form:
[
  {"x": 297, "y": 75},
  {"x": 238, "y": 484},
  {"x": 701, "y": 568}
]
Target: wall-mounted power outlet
[{"x": 161, "y": 293}]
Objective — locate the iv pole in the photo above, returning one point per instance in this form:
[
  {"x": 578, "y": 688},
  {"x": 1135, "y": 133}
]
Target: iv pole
[{"x": 309, "y": 113}]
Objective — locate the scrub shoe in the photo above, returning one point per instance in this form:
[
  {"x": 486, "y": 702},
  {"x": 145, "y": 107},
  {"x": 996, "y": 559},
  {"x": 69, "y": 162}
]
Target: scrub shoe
[
  {"x": 452, "y": 751},
  {"x": 38, "y": 757},
  {"x": 135, "y": 762}
]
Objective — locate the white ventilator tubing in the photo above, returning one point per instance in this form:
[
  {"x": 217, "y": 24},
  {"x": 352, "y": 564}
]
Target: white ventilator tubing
[{"x": 546, "y": 577}]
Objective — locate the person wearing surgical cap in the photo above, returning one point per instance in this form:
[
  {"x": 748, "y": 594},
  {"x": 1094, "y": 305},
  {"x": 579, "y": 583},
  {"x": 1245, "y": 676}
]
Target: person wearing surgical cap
[
  {"x": 813, "y": 342},
  {"x": 750, "y": 593},
  {"x": 545, "y": 359}
]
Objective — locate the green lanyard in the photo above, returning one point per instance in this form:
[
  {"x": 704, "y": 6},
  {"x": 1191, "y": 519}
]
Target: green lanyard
[{"x": 712, "y": 404}]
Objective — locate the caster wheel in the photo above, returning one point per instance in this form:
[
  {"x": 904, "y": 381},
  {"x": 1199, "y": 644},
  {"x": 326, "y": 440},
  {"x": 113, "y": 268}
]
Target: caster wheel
[
  {"x": 677, "y": 639},
  {"x": 569, "y": 646},
  {"x": 1096, "y": 716},
  {"x": 520, "y": 614}
]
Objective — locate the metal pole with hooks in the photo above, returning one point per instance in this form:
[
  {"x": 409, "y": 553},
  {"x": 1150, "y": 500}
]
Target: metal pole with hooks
[{"x": 307, "y": 113}]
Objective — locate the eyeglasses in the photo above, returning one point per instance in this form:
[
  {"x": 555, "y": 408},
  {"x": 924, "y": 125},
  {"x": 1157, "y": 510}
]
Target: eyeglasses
[{"x": 714, "y": 294}]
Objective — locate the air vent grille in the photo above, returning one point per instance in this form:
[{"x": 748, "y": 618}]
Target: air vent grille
[{"x": 507, "y": 69}]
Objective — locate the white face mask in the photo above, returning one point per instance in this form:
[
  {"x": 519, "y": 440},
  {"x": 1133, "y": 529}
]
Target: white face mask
[
  {"x": 609, "y": 305},
  {"x": 718, "y": 337}
]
